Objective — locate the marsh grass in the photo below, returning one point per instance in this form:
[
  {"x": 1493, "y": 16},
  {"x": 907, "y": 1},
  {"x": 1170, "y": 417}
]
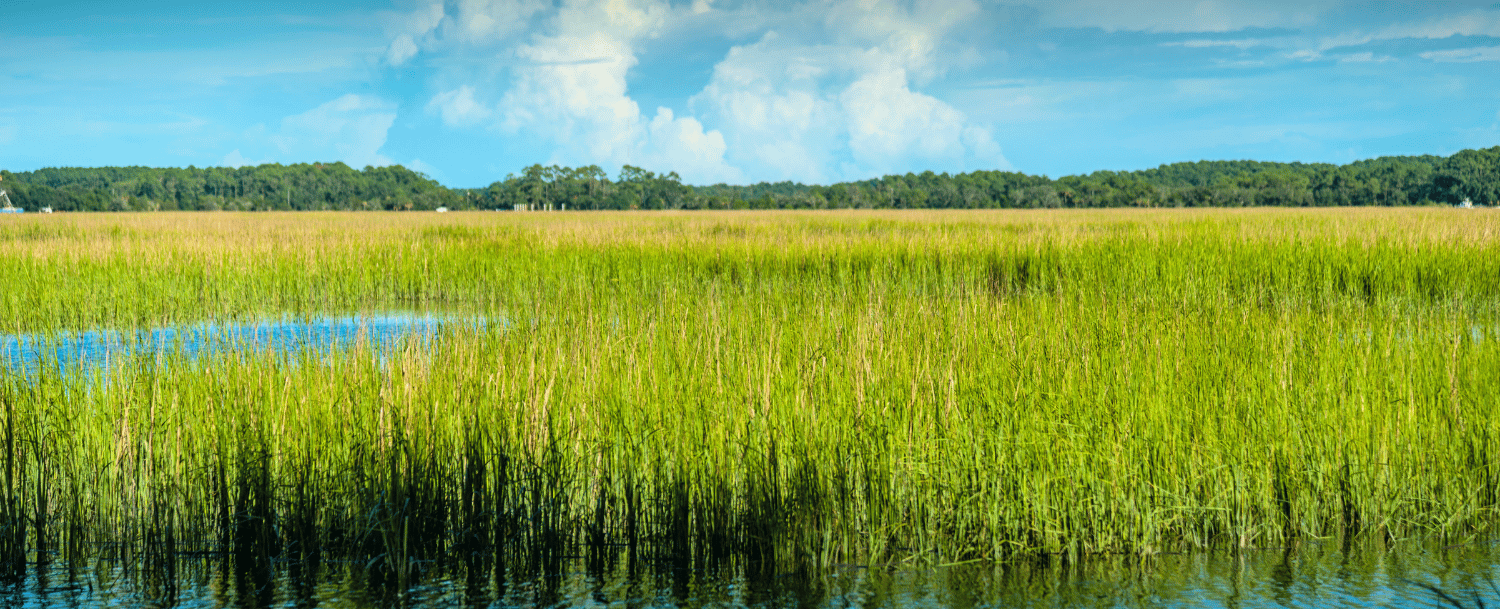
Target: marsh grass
[{"x": 767, "y": 389}]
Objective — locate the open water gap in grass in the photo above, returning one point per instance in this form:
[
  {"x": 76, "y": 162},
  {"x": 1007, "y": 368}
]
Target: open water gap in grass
[
  {"x": 1310, "y": 575},
  {"x": 96, "y": 349}
]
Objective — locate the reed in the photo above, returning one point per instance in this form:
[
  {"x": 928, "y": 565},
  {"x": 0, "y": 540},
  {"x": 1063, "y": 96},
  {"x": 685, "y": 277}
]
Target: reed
[{"x": 782, "y": 389}]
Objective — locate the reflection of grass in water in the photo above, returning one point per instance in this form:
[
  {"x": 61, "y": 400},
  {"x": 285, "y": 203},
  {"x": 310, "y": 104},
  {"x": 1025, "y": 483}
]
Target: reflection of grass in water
[
  {"x": 1456, "y": 600},
  {"x": 921, "y": 386}
]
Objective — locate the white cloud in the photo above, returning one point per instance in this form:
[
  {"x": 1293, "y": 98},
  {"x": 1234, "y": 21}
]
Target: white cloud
[
  {"x": 1464, "y": 55},
  {"x": 841, "y": 85},
  {"x": 778, "y": 120},
  {"x": 1239, "y": 63},
  {"x": 1483, "y": 22},
  {"x": 889, "y": 124},
  {"x": 800, "y": 107},
  {"x": 1473, "y": 23},
  {"x": 574, "y": 88},
  {"x": 411, "y": 27},
  {"x": 571, "y": 89},
  {"x": 492, "y": 20},
  {"x": 681, "y": 145},
  {"x": 236, "y": 160},
  {"x": 473, "y": 22},
  {"x": 458, "y": 107},
  {"x": 419, "y": 166},
  {"x": 891, "y": 33},
  {"x": 1181, "y": 15},
  {"x": 351, "y": 129},
  {"x": 1241, "y": 44},
  {"x": 1365, "y": 57},
  {"x": 402, "y": 49}
]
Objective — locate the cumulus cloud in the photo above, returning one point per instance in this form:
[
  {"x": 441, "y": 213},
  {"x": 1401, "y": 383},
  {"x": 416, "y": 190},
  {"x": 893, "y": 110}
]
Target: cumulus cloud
[
  {"x": 769, "y": 100},
  {"x": 835, "y": 96},
  {"x": 569, "y": 86},
  {"x": 573, "y": 88},
  {"x": 891, "y": 33},
  {"x": 681, "y": 145},
  {"x": 410, "y": 27},
  {"x": 401, "y": 49},
  {"x": 889, "y": 123},
  {"x": 492, "y": 20},
  {"x": 351, "y": 128},
  {"x": 807, "y": 109},
  {"x": 434, "y": 24},
  {"x": 458, "y": 107}
]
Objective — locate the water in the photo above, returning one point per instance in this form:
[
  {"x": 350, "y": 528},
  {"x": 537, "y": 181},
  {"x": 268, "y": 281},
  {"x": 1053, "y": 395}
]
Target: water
[
  {"x": 1313, "y": 575},
  {"x": 96, "y": 349}
]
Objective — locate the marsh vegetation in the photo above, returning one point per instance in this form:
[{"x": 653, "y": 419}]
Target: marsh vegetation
[{"x": 794, "y": 390}]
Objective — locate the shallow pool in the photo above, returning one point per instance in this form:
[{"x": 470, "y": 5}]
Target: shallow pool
[{"x": 96, "y": 349}]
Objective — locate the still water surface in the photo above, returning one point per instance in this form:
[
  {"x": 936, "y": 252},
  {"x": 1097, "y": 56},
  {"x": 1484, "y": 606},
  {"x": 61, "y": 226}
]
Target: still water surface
[
  {"x": 96, "y": 349},
  {"x": 1312, "y": 575}
]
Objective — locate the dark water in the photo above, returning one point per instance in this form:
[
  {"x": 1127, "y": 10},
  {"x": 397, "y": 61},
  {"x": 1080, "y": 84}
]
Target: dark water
[{"x": 1413, "y": 575}]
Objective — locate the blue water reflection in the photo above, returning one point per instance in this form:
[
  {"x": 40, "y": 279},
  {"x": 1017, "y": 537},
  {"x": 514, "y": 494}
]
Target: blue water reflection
[{"x": 97, "y": 349}]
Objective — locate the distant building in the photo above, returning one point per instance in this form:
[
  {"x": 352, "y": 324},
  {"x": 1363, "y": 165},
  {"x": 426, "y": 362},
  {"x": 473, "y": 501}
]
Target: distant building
[
  {"x": 442, "y": 210},
  {"x": 1466, "y": 204}
]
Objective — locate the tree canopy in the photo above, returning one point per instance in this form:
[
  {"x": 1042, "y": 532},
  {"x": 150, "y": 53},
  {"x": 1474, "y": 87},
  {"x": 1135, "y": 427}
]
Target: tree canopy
[
  {"x": 1472, "y": 175},
  {"x": 308, "y": 186}
]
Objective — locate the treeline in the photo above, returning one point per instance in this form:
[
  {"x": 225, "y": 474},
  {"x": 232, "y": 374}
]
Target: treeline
[
  {"x": 1470, "y": 175},
  {"x": 585, "y": 188},
  {"x": 308, "y": 186}
]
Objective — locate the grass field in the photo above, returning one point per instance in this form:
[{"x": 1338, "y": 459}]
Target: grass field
[{"x": 805, "y": 388}]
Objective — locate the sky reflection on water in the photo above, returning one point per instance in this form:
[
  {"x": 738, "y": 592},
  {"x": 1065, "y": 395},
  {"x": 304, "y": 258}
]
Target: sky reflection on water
[{"x": 97, "y": 349}]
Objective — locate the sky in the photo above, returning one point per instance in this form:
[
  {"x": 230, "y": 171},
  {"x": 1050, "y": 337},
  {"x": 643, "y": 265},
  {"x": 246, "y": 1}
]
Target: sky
[{"x": 742, "y": 91}]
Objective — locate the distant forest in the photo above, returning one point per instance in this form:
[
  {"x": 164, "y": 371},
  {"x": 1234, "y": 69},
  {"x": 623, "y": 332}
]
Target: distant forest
[{"x": 1472, "y": 175}]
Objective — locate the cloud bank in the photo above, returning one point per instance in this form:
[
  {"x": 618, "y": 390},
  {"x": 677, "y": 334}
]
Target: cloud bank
[
  {"x": 747, "y": 90},
  {"x": 826, "y": 91}
]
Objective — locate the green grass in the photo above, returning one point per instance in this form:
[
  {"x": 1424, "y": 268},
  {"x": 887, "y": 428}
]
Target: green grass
[{"x": 800, "y": 389}]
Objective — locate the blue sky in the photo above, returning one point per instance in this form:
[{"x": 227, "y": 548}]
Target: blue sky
[{"x": 740, "y": 91}]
